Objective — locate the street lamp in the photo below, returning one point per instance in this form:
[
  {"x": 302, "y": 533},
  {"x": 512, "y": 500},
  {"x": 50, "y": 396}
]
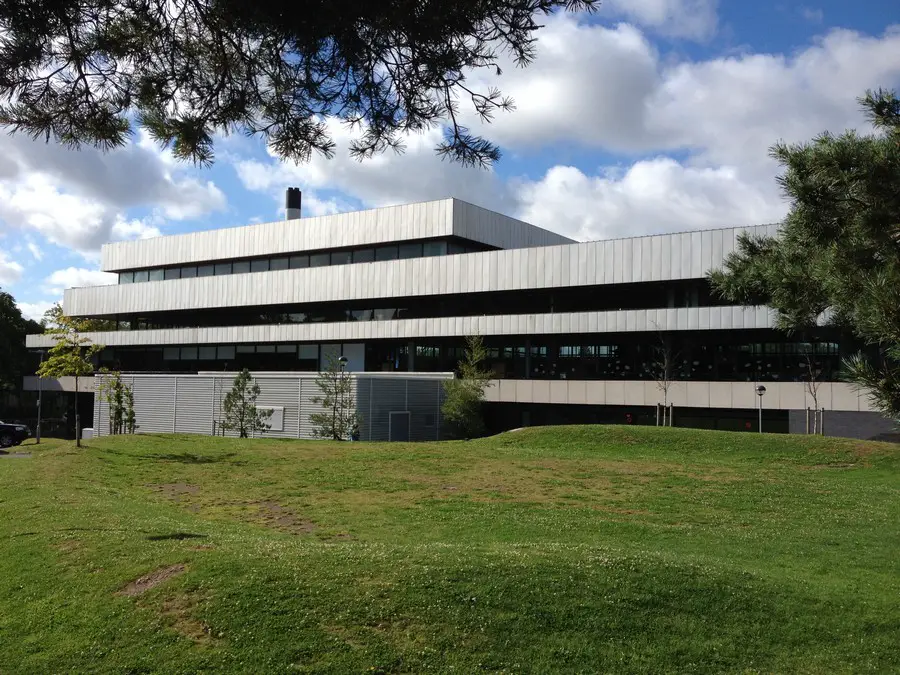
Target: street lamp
[
  {"x": 343, "y": 361},
  {"x": 760, "y": 391},
  {"x": 37, "y": 431}
]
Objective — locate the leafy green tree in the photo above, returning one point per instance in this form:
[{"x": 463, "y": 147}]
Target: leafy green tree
[
  {"x": 55, "y": 318},
  {"x": 13, "y": 355},
  {"x": 120, "y": 399},
  {"x": 70, "y": 356},
  {"x": 339, "y": 419},
  {"x": 239, "y": 407},
  {"x": 185, "y": 70},
  {"x": 836, "y": 259},
  {"x": 463, "y": 406}
]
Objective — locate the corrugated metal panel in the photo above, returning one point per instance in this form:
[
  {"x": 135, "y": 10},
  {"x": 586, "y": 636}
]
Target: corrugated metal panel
[
  {"x": 388, "y": 279},
  {"x": 281, "y": 392},
  {"x": 154, "y": 403},
  {"x": 388, "y": 394},
  {"x": 391, "y": 223},
  {"x": 195, "y": 405},
  {"x": 517, "y": 324}
]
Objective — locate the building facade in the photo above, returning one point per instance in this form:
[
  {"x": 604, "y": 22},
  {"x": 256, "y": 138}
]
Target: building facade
[{"x": 598, "y": 331}]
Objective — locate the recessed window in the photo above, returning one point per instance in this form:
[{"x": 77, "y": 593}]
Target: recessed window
[
  {"x": 126, "y": 277},
  {"x": 205, "y": 270},
  {"x": 299, "y": 262},
  {"x": 246, "y": 349},
  {"x": 310, "y": 352},
  {"x": 157, "y": 275},
  {"x": 433, "y": 248},
  {"x": 188, "y": 353},
  {"x": 279, "y": 264},
  {"x": 386, "y": 253},
  {"x": 173, "y": 273},
  {"x": 265, "y": 349},
  {"x": 141, "y": 275},
  {"x": 341, "y": 258},
  {"x": 171, "y": 353},
  {"x": 189, "y": 272},
  {"x": 207, "y": 353},
  {"x": 286, "y": 349},
  {"x": 241, "y": 267},
  {"x": 364, "y": 255},
  {"x": 222, "y": 269},
  {"x": 320, "y": 260},
  {"x": 410, "y": 251},
  {"x": 225, "y": 352},
  {"x": 259, "y": 265}
]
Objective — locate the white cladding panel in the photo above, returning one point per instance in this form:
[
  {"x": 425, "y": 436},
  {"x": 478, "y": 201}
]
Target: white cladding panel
[
  {"x": 479, "y": 224},
  {"x": 361, "y": 331},
  {"x": 684, "y": 394},
  {"x": 514, "y": 269},
  {"x": 359, "y": 228}
]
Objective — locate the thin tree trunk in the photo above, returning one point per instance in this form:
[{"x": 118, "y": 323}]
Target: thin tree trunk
[{"x": 77, "y": 417}]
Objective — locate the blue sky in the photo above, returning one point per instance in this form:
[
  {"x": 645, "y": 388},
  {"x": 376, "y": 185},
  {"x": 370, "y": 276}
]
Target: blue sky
[{"x": 650, "y": 116}]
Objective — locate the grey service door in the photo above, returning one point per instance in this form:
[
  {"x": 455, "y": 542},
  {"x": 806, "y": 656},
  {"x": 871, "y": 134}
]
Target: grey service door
[{"x": 398, "y": 425}]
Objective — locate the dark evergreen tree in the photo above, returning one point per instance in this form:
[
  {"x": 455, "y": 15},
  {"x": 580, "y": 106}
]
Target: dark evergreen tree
[
  {"x": 836, "y": 259},
  {"x": 85, "y": 71}
]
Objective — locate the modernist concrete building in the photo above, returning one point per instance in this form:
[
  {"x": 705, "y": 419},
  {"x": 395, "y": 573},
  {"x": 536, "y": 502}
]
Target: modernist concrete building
[{"x": 574, "y": 329}]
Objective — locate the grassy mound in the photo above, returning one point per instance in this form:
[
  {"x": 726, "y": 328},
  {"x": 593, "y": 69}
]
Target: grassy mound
[{"x": 565, "y": 549}]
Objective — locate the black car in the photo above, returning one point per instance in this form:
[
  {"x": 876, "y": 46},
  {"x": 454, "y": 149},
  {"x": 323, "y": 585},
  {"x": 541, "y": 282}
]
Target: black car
[{"x": 13, "y": 434}]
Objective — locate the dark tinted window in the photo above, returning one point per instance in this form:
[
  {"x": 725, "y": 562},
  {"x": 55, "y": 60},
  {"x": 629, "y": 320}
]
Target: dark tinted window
[
  {"x": 223, "y": 269},
  {"x": 259, "y": 265},
  {"x": 241, "y": 267},
  {"x": 156, "y": 275},
  {"x": 341, "y": 258},
  {"x": 411, "y": 250},
  {"x": 141, "y": 275},
  {"x": 298, "y": 262},
  {"x": 279, "y": 264},
  {"x": 386, "y": 253},
  {"x": 173, "y": 273},
  {"x": 205, "y": 270},
  {"x": 430, "y": 248},
  {"x": 319, "y": 260},
  {"x": 126, "y": 277},
  {"x": 364, "y": 255},
  {"x": 188, "y": 272}
]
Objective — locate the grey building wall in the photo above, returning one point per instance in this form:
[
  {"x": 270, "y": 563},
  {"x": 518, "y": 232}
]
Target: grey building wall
[
  {"x": 421, "y": 220},
  {"x": 871, "y": 426},
  {"x": 688, "y": 255},
  {"x": 192, "y": 404}
]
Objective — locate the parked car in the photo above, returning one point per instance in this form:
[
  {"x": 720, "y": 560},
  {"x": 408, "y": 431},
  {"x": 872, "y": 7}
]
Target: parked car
[{"x": 12, "y": 434}]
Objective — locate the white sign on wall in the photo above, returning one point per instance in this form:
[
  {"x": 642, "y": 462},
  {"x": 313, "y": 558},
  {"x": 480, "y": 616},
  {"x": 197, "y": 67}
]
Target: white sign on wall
[{"x": 276, "y": 421}]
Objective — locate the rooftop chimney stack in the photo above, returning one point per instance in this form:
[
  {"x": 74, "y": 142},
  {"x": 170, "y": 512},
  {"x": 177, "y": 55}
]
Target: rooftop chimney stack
[{"x": 292, "y": 203}]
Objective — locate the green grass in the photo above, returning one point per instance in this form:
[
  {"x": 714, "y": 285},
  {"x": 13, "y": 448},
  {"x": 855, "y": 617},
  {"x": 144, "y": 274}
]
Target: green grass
[{"x": 569, "y": 549}]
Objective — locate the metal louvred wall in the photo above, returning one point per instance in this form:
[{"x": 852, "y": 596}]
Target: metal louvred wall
[{"x": 192, "y": 404}]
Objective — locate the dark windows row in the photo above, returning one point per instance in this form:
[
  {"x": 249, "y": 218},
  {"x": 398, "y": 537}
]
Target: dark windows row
[
  {"x": 652, "y": 295},
  {"x": 601, "y": 357},
  {"x": 399, "y": 251}
]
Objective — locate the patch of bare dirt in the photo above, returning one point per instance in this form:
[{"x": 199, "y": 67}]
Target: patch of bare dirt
[
  {"x": 176, "y": 490},
  {"x": 181, "y": 612},
  {"x": 275, "y": 515},
  {"x": 68, "y": 545},
  {"x": 143, "y": 584}
]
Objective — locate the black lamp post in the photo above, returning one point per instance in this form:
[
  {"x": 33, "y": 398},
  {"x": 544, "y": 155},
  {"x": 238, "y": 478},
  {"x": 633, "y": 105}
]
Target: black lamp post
[
  {"x": 760, "y": 391},
  {"x": 37, "y": 431}
]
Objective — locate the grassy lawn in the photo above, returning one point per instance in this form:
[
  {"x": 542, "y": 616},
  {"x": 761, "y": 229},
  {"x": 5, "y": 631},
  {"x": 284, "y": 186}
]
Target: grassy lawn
[{"x": 569, "y": 549}]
